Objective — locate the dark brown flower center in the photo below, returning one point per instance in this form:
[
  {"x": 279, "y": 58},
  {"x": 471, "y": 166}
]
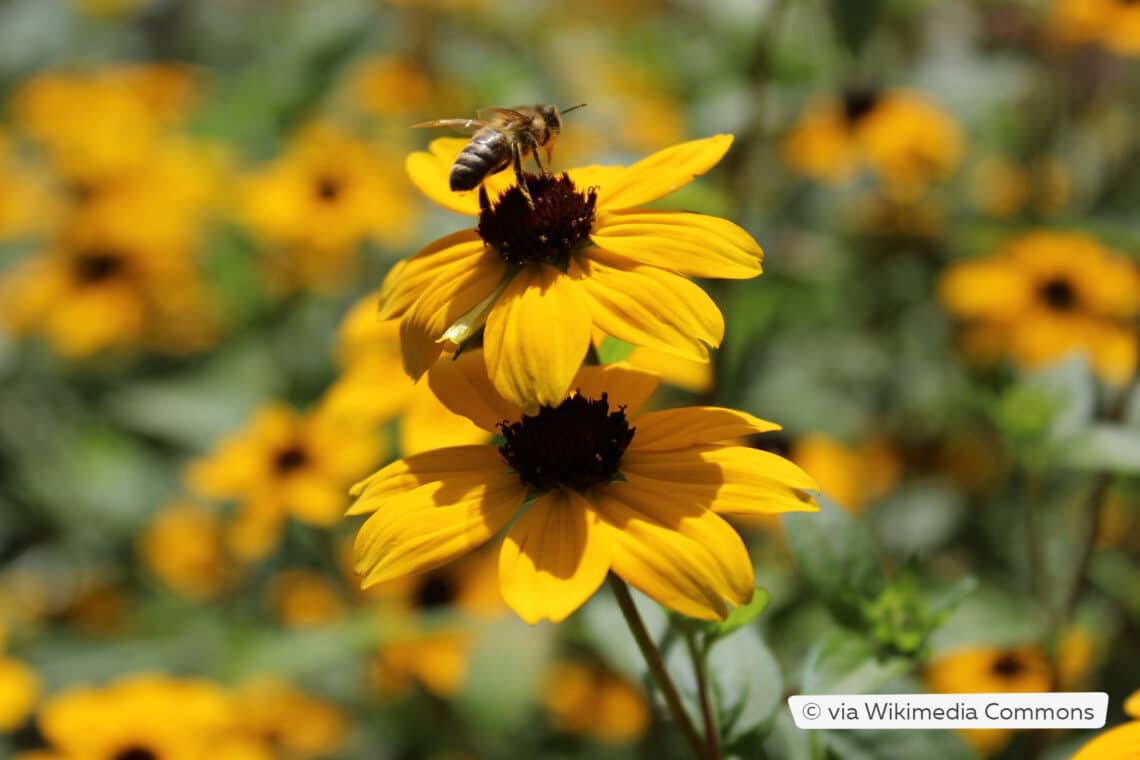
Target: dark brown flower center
[
  {"x": 135, "y": 752},
  {"x": 1008, "y": 665},
  {"x": 289, "y": 459},
  {"x": 98, "y": 264},
  {"x": 328, "y": 188},
  {"x": 858, "y": 103},
  {"x": 434, "y": 590},
  {"x": 1059, "y": 294},
  {"x": 547, "y": 233},
  {"x": 577, "y": 444}
]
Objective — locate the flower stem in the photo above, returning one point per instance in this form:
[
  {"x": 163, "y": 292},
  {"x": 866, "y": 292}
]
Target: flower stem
[
  {"x": 656, "y": 665},
  {"x": 712, "y": 734}
]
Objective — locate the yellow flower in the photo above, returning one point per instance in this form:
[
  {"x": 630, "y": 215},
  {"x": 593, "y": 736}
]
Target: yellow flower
[
  {"x": 98, "y": 122},
  {"x": 373, "y": 388},
  {"x": 184, "y": 547},
  {"x": 982, "y": 670},
  {"x": 907, "y": 142},
  {"x": 107, "y": 284},
  {"x": 1048, "y": 294},
  {"x": 26, "y": 205},
  {"x": 642, "y": 496},
  {"x": 282, "y": 464},
  {"x": 585, "y": 256},
  {"x": 303, "y": 598},
  {"x": 287, "y": 720},
  {"x": 592, "y": 699},
  {"x": 397, "y": 86},
  {"x": 319, "y": 201},
  {"x": 1118, "y": 743},
  {"x": 141, "y": 716},
  {"x": 19, "y": 692},
  {"x": 852, "y": 476},
  {"x": 1113, "y": 24},
  {"x": 418, "y": 648}
]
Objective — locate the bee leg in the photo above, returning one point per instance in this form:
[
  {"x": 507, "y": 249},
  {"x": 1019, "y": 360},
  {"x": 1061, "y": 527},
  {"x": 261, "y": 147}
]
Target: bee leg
[
  {"x": 538, "y": 163},
  {"x": 521, "y": 175}
]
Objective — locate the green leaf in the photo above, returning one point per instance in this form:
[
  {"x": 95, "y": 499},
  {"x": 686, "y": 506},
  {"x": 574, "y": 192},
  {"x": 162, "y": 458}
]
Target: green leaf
[
  {"x": 741, "y": 616},
  {"x": 746, "y": 681},
  {"x": 846, "y": 663},
  {"x": 613, "y": 350},
  {"x": 836, "y": 556},
  {"x": 1105, "y": 446},
  {"x": 855, "y": 20},
  {"x": 896, "y": 745}
]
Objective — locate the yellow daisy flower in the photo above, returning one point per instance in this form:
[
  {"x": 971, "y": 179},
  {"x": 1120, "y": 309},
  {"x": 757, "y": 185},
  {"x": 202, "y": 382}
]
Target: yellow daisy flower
[
  {"x": 184, "y": 547},
  {"x": 140, "y": 717},
  {"x": 19, "y": 689},
  {"x": 305, "y": 598},
  {"x": 314, "y": 205},
  {"x": 1113, "y": 24},
  {"x": 284, "y": 463},
  {"x": 419, "y": 649},
  {"x": 594, "y": 700},
  {"x": 1046, "y": 295},
  {"x": 108, "y": 284},
  {"x": 587, "y": 255},
  {"x": 851, "y": 475},
  {"x": 906, "y": 141},
  {"x": 640, "y": 495},
  {"x": 373, "y": 387},
  {"x": 985, "y": 670}
]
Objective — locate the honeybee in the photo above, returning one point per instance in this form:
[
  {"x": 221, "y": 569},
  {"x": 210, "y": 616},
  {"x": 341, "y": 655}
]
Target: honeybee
[{"x": 503, "y": 137}]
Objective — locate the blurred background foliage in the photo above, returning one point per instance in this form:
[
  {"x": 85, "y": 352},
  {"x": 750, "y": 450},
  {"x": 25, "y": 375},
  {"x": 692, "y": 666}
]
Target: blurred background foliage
[{"x": 194, "y": 195}]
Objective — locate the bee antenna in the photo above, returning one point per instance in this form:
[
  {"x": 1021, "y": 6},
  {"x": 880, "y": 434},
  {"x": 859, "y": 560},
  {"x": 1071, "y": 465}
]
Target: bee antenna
[{"x": 571, "y": 108}]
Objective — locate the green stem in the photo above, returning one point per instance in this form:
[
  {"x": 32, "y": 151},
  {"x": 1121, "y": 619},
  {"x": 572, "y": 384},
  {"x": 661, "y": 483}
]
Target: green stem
[
  {"x": 712, "y": 734},
  {"x": 656, "y": 665}
]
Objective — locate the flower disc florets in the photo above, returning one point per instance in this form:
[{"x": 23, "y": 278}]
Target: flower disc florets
[
  {"x": 97, "y": 265},
  {"x": 858, "y": 103},
  {"x": 546, "y": 232},
  {"x": 577, "y": 444},
  {"x": 1059, "y": 294}
]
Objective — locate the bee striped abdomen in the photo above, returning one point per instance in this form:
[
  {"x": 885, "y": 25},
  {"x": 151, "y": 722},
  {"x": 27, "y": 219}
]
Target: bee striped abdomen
[{"x": 487, "y": 153}]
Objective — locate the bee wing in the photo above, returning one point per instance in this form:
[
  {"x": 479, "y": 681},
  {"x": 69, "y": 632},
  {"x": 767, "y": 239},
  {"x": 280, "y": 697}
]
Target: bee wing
[
  {"x": 467, "y": 124},
  {"x": 508, "y": 116}
]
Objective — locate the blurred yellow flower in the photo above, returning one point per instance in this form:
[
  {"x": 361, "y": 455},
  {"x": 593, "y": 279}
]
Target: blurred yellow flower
[
  {"x": 417, "y": 647},
  {"x": 19, "y": 693},
  {"x": 108, "y": 283},
  {"x": 851, "y": 475},
  {"x": 140, "y": 716},
  {"x": 592, "y": 699},
  {"x": 1117, "y": 743},
  {"x": 540, "y": 280},
  {"x": 103, "y": 121},
  {"x": 1112, "y": 24},
  {"x": 396, "y": 86},
  {"x": 373, "y": 387},
  {"x": 284, "y": 463},
  {"x": 288, "y": 721},
  {"x": 314, "y": 206},
  {"x": 641, "y": 496},
  {"x": 981, "y": 670},
  {"x": 1046, "y": 295},
  {"x": 305, "y": 598},
  {"x": 906, "y": 141},
  {"x": 184, "y": 547},
  {"x": 26, "y": 202}
]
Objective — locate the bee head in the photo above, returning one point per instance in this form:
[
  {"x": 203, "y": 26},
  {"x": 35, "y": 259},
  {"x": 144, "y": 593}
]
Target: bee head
[{"x": 553, "y": 119}]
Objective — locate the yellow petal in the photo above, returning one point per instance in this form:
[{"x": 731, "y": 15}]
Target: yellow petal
[
  {"x": 463, "y": 386},
  {"x": 623, "y": 386},
  {"x": 695, "y": 426},
  {"x": 728, "y": 480},
  {"x": 427, "y": 424},
  {"x": 451, "y": 464},
  {"x": 663, "y": 172},
  {"x": 409, "y": 279},
  {"x": 676, "y": 552},
  {"x": 1117, "y": 743},
  {"x": 537, "y": 336},
  {"x": 985, "y": 289},
  {"x": 455, "y": 290},
  {"x": 554, "y": 558},
  {"x": 422, "y": 529},
  {"x": 313, "y": 499},
  {"x": 649, "y": 307},
  {"x": 690, "y": 244},
  {"x": 430, "y": 171}
]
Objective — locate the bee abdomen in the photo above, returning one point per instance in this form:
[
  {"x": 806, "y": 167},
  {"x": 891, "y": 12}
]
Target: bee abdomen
[{"x": 484, "y": 155}]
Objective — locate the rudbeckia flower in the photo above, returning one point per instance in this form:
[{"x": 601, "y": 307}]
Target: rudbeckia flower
[
  {"x": 1118, "y": 743},
  {"x": 1112, "y": 24},
  {"x": 590, "y": 698},
  {"x": 603, "y": 489},
  {"x": 1048, "y": 294},
  {"x": 538, "y": 280}
]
